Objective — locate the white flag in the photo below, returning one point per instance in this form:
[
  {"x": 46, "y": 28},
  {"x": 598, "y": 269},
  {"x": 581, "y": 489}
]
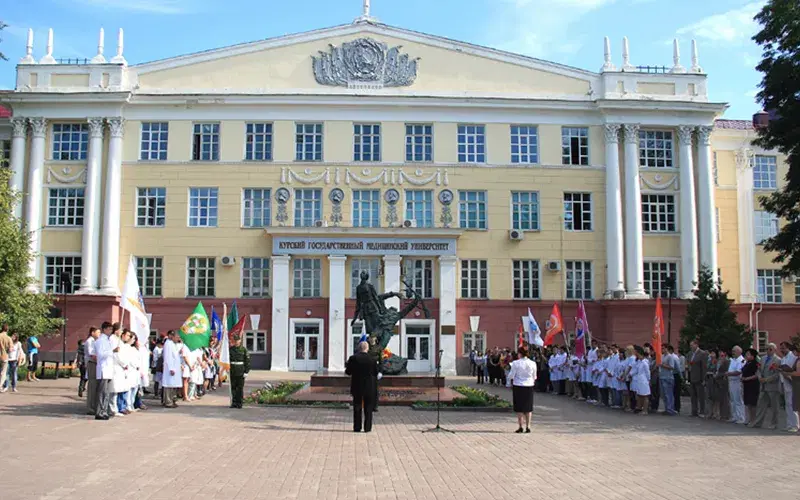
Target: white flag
[
  {"x": 224, "y": 348},
  {"x": 132, "y": 302}
]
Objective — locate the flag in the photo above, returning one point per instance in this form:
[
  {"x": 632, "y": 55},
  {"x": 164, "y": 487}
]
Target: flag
[
  {"x": 364, "y": 338},
  {"x": 534, "y": 333},
  {"x": 232, "y": 318},
  {"x": 521, "y": 340},
  {"x": 196, "y": 330},
  {"x": 216, "y": 324},
  {"x": 581, "y": 329},
  {"x": 132, "y": 302},
  {"x": 238, "y": 328},
  {"x": 556, "y": 326},
  {"x": 224, "y": 347},
  {"x": 658, "y": 330}
]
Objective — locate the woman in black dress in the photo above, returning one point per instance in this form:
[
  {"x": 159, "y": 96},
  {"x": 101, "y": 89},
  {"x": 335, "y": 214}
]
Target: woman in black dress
[{"x": 750, "y": 384}]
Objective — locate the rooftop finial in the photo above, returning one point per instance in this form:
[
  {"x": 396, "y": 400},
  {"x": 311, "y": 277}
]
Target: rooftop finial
[
  {"x": 119, "y": 59},
  {"x": 695, "y": 61},
  {"x": 607, "y": 64},
  {"x": 99, "y": 59},
  {"x": 365, "y": 14},
  {"x": 676, "y": 58},
  {"x": 28, "y": 59},
  {"x": 48, "y": 58},
  {"x": 626, "y": 56}
]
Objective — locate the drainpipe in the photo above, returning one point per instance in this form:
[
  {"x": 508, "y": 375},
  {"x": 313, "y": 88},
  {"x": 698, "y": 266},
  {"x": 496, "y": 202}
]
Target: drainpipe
[
  {"x": 752, "y": 307},
  {"x": 760, "y": 307}
]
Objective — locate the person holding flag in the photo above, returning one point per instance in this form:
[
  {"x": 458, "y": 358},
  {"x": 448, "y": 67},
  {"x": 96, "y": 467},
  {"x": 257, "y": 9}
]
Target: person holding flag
[{"x": 534, "y": 333}]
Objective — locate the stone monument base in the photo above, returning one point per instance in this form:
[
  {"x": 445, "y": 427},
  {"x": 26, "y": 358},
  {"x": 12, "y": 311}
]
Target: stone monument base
[{"x": 393, "y": 390}]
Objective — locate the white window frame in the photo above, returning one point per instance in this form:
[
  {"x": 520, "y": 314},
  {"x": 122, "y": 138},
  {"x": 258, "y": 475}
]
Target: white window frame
[
  {"x": 372, "y": 205},
  {"x": 258, "y": 142},
  {"x": 62, "y": 135},
  {"x": 581, "y": 134},
  {"x": 263, "y": 274},
  {"x": 414, "y": 206},
  {"x": 302, "y": 138},
  {"x": 151, "y": 277},
  {"x": 207, "y": 133},
  {"x": 68, "y": 199},
  {"x": 373, "y": 267},
  {"x": 370, "y": 133},
  {"x": 293, "y": 323},
  {"x": 55, "y": 286},
  {"x": 211, "y": 196},
  {"x": 518, "y": 207},
  {"x": 144, "y": 195},
  {"x": 470, "y": 267},
  {"x": 351, "y": 341},
  {"x": 762, "y": 341},
  {"x": 417, "y": 275},
  {"x": 471, "y": 137},
  {"x": 571, "y": 266},
  {"x": 661, "y": 269},
  {"x": 656, "y": 149},
  {"x": 769, "y": 286},
  {"x": 264, "y": 209},
  {"x": 468, "y": 341},
  {"x": 251, "y": 341},
  {"x": 428, "y": 323},
  {"x": 209, "y": 270},
  {"x": 765, "y": 225},
  {"x": 153, "y": 148},
  {"x": 765, "y": 172},
  {"x": 527, "y": 144},
  {"x": 316, "y": 277},
  {"x": 300, "y": 211},
  {"x": 661, "y": 202},
  {"x": 481, "y": 209},
  {"x": 423, "y": 138},
  {"x": 569, "y": 216},
  {"x": 534, "y": 281}
]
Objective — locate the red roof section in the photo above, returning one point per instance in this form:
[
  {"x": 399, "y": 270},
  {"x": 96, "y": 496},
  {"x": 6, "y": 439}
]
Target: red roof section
[
  {"x": 5, "y": 112},
  {"x": 734, "y": 124}
]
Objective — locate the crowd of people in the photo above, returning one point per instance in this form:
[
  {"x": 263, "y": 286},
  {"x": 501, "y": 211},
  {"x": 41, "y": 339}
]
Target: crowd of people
[
  {"x": 740, "y": 387},
  {"x": 13, "y": 357}
]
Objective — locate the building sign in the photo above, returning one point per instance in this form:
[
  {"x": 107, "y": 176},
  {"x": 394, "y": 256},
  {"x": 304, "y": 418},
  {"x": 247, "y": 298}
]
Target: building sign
[{"x": 286, "y": 245}]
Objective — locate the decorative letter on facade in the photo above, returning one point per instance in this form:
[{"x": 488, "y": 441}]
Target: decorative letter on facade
[{"x": 364, "y": 63}]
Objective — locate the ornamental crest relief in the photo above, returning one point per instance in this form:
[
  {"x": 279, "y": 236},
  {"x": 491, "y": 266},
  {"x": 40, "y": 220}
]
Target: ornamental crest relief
[{"x": 364, "y": 63}]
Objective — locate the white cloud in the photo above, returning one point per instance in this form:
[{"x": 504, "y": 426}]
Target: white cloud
[
  {"x": 144, "y": 6},
  {"x": 734, "y": 27},
  {"x": 510, "y": 28}
]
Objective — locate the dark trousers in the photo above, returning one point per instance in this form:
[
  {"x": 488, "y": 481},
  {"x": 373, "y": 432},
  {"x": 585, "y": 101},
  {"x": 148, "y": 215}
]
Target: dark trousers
[
  {"x": 562, "y": 387},
  {"x": 237, "y": 391},
  {"x": 103, "y": 398},
  {"x": 655, "y": 395},
  {"x": 472, "y": 367},
  {"x": 677, "y": 392},
  {"x": 368, "y": 403},
  {"x": 698, "y": 398},
  {"x": 82, "y": 383},
  {"x": 480, "y": 375},
  {"x": 604, "y": 396}
]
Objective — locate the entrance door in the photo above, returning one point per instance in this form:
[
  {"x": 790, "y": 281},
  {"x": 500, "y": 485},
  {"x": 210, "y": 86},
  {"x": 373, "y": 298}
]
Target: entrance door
[
  {"x": 306, "y": 347},
  {"x": 355, "y": 335},
  {"x": 418, "y": 344}
]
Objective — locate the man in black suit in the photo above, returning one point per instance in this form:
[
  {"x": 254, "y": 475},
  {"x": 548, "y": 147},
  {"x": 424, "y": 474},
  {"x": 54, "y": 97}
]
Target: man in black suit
[{"x": 363, "y": 371}]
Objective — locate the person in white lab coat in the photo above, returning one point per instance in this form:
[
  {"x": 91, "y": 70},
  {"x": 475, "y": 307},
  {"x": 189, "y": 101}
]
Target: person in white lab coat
[
  {"x": 121, "y": 383},
  {"x": 171, "y": 379},
  {"x": 105, "y": 352},
  {"x": 134, "y": 371}
]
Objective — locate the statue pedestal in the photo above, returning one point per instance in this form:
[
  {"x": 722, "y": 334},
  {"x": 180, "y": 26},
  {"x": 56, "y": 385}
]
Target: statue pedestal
[{"x": 394, "y": 390}]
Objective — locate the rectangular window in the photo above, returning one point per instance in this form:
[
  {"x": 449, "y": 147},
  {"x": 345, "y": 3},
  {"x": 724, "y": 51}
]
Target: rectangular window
[
  {"x": 765, "y": 172},
  {"x": 308, "y": 142},
  {"x": 769, "y": 286},
  {"x": 200, "y": 274},
  {"x": 472, "y": 209},
  {"x": 307, "y": 278},
  {"x": 473, "y": 341},
  {"x": 203, "y": 206},
  {"x": 655, "y": 149},
  {"x": 255, "y": 342},
  {"x": 419, "y": 142},
  {"x": 579, "y": 279},
  {"x": 574, "y": 145},
  {"x": 151, "y": 207},
  {"x": 205, "y": 142},
  {"x": 5, "y": 154},
  {"x": 526, "y": 279},
  {"x": 578, "y": 211},
  {"x": 658, "y": 213},
  {"x": 65, "y": 207},
  {"x": 372, "y": 267},
  {"x": 366, "y": 142},
  {"x": 524, "y": 144},
  {"x": 255, "y": 277},
  {"x": 765, "y": 225},
  {"x": 54, "y": 266},
  {"x": 419, "y": 206},
  {"x": 762, "y": 340},
  {"x": 70, "y": 141},
  {"x": 797, "y": 291},
  {"x": 366, "y": 208},
  {"x": 149, "y": 272},
  {"x": 155, "y": 137},
  {"x": 471, "y": 144},
  {"x": 307, "y": 207},
  {"x": 525, "y": 210},
  {"x": 419, "y": 274},
  {"x": 657, "y": 277},
  {"x": 474, "y": 279},
  {"x": 258, "y": 142},
  {"x": 256, "y": 207}
]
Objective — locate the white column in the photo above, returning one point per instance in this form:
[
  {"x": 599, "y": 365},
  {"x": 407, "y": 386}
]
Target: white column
[
  {"x": 447, "y": 314},
  {"x": 33, "y": 205},
  {"x": 747, "y": 244},
  {"x": 706, "y": 208},
  {"x": 688, "y": 212},
  {"x": 634, "y": 260},
  {"x": 17, "y": 160},
  {"x": 90, "y": 250},
  {"x": 391, "y": 283},
  {"x": 112, "y": 213},
  {"x": 614, "y": 274},
  {"x": 337, "y": 328},
  {"x": 280, "y": 313}
]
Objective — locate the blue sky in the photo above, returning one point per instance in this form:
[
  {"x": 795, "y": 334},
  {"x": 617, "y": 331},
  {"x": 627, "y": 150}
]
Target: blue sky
[{"x": 565, "y": 31}]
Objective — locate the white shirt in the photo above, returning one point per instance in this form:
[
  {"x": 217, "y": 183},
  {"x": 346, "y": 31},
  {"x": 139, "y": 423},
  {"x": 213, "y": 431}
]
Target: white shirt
[
  {"x": 13, "y": 353},
  {"x": 787, "y": 360},
  {"x": 105, "y": 358},
  {"x": 736, "y": 366},
  {"x": 89, "y": 349},
  {"x": 523, "y": 372}
]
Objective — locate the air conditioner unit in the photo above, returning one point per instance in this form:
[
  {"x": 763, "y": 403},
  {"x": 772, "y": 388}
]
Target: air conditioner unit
[
  {"x": 554, "y": 266},
  {"x": 791, "y": 278},
  {"x": 227, "y": 260},
  {"x": 410, "y": 223},
  {"x": 618, "y": 294},
  {"x": 320, "y": 223},
  {"x": 516, "y": 235}
]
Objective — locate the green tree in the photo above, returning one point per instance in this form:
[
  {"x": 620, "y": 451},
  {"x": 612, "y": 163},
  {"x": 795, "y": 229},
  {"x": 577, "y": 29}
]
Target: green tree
[
  {"x": 779, "y": 39},
  {"x": 709, "y": 318},
  {"x": 25, "y": 312}
]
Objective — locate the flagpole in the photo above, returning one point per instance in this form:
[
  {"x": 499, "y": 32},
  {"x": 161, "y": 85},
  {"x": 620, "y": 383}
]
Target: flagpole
[{"x": 225, "y": 333}]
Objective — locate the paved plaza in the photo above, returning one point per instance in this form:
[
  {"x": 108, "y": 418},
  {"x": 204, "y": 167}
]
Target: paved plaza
[{"x": 53, "y": 451}]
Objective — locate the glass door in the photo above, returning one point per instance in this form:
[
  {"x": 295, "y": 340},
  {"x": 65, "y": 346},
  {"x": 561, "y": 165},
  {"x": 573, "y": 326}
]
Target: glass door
[
  {"x": 419, "y": 347},
  {"x": 306, "y": 355}
]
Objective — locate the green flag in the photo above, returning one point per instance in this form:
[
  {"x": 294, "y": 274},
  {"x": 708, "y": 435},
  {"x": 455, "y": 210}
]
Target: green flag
[
  {"x": 196, "y": 330},
  {"x": 233, "y": 317}
]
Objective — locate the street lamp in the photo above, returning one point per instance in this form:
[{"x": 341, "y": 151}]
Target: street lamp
[
  {"x": 670, "y": 283},
  {"x": 65, "y": 279}
]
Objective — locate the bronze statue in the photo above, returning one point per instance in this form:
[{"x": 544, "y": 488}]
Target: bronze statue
[{"x": 379, "y": 321}]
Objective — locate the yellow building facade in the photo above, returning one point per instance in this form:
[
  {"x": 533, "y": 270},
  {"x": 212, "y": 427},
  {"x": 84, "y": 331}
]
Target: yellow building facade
[{"x": 274, "y": 172}]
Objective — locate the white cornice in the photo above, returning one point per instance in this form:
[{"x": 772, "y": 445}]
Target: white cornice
[
  {"x": 657, "y": 105},
  {"x": 382, "y": 232}
]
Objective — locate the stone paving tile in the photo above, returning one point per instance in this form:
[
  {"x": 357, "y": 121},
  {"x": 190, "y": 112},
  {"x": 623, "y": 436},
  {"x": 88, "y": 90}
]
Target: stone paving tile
[{"x": 205, "y": 450}]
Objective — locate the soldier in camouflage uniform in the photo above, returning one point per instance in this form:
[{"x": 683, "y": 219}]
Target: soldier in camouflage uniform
[{"x": 240, "y": 367}]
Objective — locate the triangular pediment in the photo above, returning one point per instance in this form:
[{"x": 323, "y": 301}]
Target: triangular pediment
[{"x": 362, "y": 57}]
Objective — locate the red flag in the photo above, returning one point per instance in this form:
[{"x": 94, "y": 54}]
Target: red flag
[
  {"x": 581, "y": 329},
  {"x": 238, "y": 328},
  {"x": 556, "y": 325},
  {"x": 658, "y": 330},
  {"x": 521, "y": 341}
]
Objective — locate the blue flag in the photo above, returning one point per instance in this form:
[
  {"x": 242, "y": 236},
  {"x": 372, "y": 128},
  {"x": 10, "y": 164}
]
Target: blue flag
[
  {"x": 216, "y": 324},
  {"x": 364, "y": 338}
]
